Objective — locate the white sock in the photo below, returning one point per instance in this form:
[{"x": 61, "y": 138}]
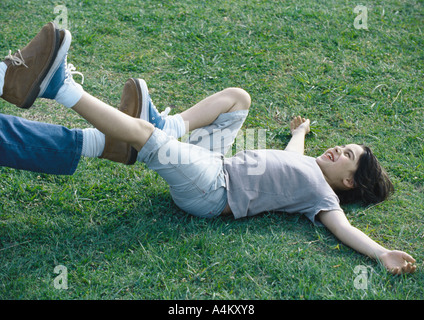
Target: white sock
[
  {"x": 3, "y": 68},
  {"x": 69, "y": 94},
  {"x": 93, "y": 143},
  {"x": 174, "y": 126}
]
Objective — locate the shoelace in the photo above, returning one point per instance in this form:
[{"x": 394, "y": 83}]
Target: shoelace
[
  {"x": 165, "y": 112},
  {"x": 70, "y": 71},
  {"x": 16, "y": 61}
]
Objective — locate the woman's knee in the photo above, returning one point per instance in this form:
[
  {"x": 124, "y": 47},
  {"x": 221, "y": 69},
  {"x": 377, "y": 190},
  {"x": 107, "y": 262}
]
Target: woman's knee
[{"x": 240, "y": 97}]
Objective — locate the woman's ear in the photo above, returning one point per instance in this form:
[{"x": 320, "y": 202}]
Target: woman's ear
[{"x": 349, "y": 183}]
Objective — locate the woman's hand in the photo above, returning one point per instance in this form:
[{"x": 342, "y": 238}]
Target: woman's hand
[
  {"x": 299, "y": 124},
  {"x": 299, "y": 128},
  {"x": 398, "y": 262}
]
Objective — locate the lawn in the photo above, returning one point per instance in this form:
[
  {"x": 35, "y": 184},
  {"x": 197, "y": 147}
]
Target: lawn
[{"x": 114, "y": 230}]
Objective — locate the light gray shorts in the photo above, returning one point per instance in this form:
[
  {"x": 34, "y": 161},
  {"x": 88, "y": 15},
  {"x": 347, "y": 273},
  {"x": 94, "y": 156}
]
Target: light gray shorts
[{"x": 194, "y": 169}]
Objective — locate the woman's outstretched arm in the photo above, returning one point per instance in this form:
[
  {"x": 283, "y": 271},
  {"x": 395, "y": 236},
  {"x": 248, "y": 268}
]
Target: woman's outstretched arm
[{"x": 395, "y": 261}]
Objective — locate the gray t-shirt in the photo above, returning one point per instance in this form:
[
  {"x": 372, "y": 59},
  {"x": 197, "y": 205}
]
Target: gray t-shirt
[{"x": 276, "y": 180}]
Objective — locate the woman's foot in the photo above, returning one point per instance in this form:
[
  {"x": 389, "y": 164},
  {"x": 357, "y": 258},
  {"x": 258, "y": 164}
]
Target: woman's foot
[
  {"x": 59, "y": 84},
  {"x": 172, "y": 125}
]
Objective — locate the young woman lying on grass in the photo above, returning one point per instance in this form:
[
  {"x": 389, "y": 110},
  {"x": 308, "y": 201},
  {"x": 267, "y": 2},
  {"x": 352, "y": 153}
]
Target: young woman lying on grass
[{"x": 202, "y": 181}]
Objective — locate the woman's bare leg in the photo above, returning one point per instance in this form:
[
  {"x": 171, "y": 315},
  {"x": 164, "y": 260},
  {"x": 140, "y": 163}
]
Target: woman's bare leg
[
  {"x": 206, "y": 111},
  {"x": 112, "y": 122},
  {"x": 136, "y": 132}
]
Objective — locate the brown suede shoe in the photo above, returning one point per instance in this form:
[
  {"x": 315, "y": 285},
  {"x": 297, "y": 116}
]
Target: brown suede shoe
[
  {"x": 119, "y": 151},
  {"x": 27, "y": 68}
]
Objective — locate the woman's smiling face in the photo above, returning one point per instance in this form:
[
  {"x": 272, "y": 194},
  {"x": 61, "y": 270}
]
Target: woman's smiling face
[{"x": 339, "y": 164}]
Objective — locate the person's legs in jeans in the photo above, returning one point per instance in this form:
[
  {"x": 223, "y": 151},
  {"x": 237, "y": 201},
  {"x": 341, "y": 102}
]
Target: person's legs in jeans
[{"x": 39, "y": 147}]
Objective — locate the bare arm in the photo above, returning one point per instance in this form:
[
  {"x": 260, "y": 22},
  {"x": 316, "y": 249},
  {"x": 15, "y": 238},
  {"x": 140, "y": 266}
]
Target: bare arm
[
  {"x": 395, "y": 261},
  {"x": 299, "y": 128}
]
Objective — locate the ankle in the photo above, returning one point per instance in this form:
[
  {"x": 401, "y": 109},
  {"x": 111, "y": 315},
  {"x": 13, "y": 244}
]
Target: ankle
[
  {"x": 142, "y": 131},
  {"x": 174, "y": 126},
  {"x": 93, "y": 143},
  {"x": 69, "y": 94}
]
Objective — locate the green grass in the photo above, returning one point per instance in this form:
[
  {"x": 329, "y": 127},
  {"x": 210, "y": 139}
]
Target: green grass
[{"x": 116, "y": 229}]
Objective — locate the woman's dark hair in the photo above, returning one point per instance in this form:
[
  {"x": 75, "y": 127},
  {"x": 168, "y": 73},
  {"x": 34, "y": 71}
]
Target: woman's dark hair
[{"x": 371, "y": 182}]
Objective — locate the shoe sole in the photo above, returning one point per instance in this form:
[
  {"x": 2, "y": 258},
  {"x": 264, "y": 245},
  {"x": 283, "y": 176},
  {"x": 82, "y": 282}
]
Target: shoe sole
[
  {"x": 144, "y": 92},
  {"x": 140, "y": 97},
  {"x": 36, "y": 86},
  {"x": 61, "y": 54}
]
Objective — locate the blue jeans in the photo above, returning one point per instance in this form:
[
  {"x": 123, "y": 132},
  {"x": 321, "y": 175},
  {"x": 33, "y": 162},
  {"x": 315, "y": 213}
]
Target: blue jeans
[{"x": 39, "y": 147}]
